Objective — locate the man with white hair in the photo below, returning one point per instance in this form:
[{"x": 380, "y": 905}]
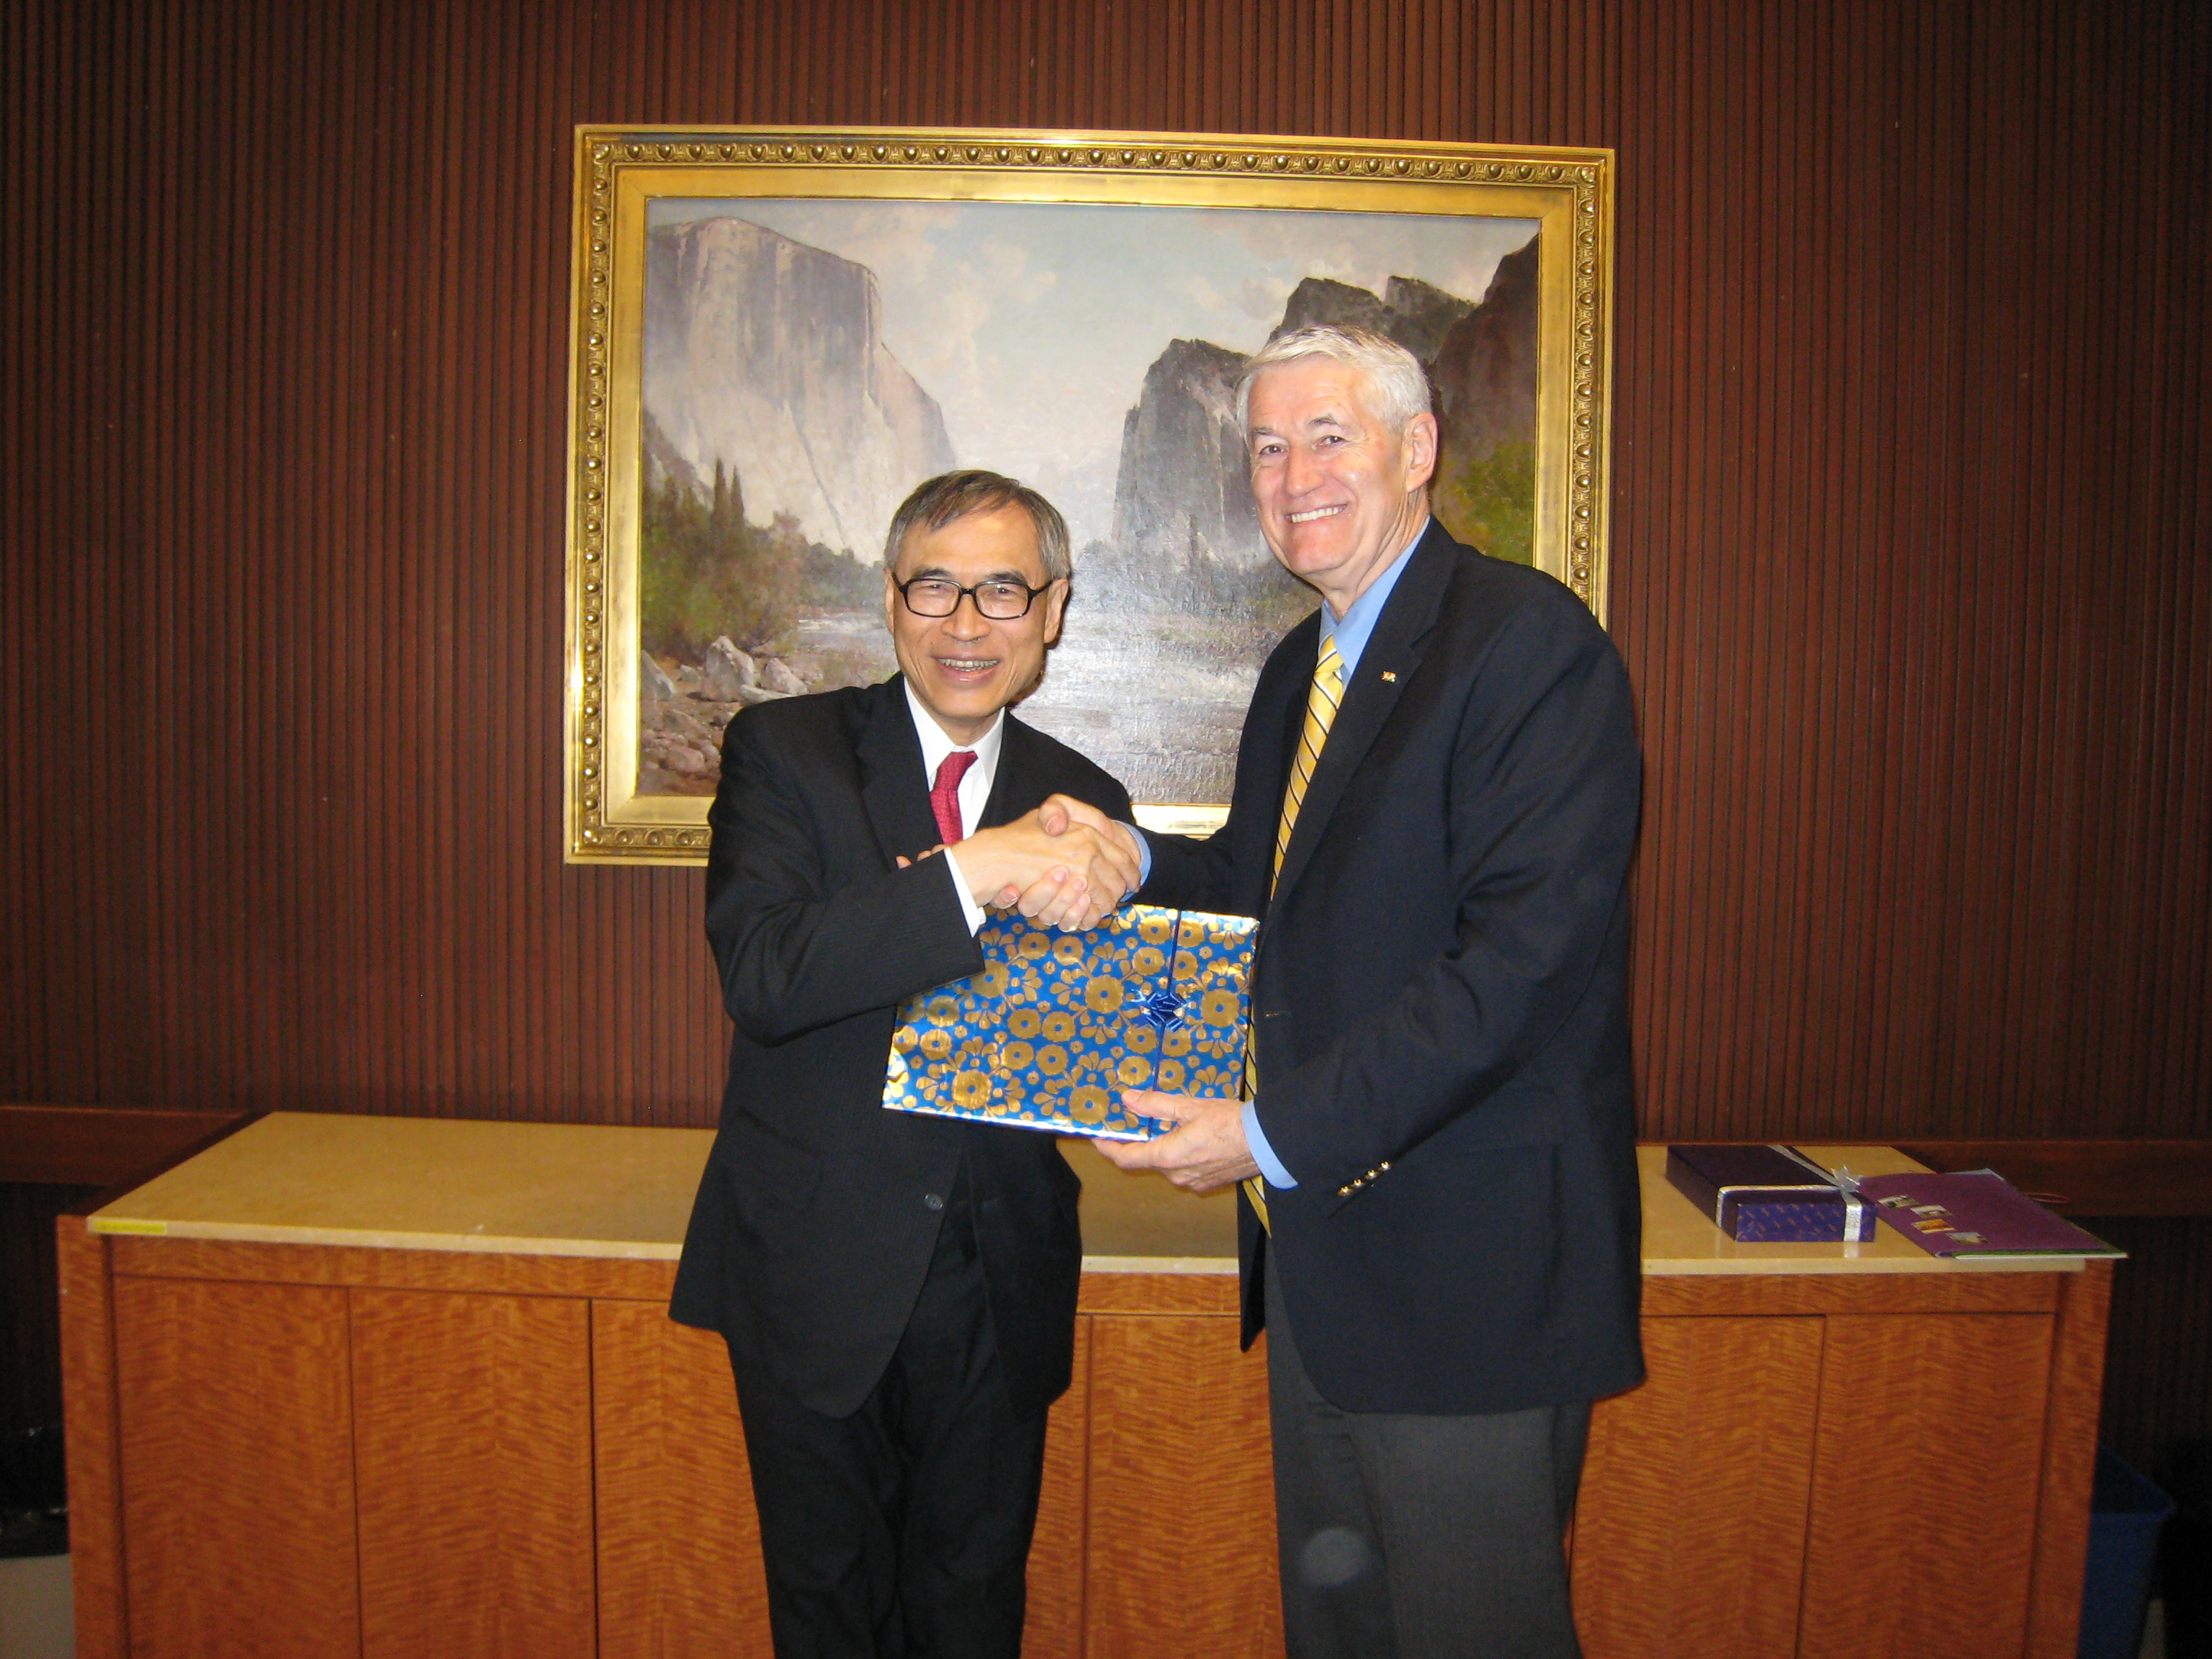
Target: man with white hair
[{"x": 1436, "y": 800}]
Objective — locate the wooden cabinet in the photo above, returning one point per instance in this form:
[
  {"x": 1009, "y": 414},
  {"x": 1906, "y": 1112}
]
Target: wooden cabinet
[
  {"x": 1181, "y": 1545},
  {"x": 390, "y": 1453},
  {"x": 300, "y": 1449},
  {"x": 1843, "y": 1466}
]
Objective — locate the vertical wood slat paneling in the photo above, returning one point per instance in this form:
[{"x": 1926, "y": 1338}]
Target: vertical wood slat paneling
[{"x": 1910, "y": 464}]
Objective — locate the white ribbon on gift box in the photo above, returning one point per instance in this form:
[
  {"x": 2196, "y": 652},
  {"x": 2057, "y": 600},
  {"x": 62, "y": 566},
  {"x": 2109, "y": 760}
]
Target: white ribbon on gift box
[{"x": 1856, "y": 1232}]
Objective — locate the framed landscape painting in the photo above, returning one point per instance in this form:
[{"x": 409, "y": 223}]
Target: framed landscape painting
[{"x": 778, "y": 334}]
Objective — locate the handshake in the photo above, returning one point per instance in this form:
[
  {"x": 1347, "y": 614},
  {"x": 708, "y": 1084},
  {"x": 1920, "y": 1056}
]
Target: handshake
[{"x": 1065, "y": 866}]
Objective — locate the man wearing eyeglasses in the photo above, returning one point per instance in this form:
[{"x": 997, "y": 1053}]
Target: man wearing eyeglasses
[{"x": 897, "y": 1292}]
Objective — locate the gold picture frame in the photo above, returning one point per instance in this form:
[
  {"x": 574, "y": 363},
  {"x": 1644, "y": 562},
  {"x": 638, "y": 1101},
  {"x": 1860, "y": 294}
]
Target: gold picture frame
[{"x": 737, "y": 233}]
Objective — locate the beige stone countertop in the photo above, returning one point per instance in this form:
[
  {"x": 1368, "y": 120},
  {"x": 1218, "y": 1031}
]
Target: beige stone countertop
[
  {"x": 423, "y": 1183},
  {"x": 426, "y": 1183},
  {"x": 606, "y": 1190}
]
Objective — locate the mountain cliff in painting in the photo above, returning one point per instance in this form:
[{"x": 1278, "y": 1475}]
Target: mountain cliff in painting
[
  {"x": 1180, "y": 495},
  {"x": 764, "y": 355},
  {"x": 1484, "y": 374},
  {"x": 1182, "y": 500}
]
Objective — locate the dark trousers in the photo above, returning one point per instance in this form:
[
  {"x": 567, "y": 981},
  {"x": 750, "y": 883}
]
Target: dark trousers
[
  {"x": 1413, "y": 1537},
  {"x": 902, "y": 1531}
]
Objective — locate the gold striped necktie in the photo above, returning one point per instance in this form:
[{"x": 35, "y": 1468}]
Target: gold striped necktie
[{"x": 1321, "y": 704}]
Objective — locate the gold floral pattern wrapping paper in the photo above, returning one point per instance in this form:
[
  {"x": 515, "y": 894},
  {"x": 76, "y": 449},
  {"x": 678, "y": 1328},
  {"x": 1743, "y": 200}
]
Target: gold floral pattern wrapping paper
[{"x": 1057, "y": 1025}]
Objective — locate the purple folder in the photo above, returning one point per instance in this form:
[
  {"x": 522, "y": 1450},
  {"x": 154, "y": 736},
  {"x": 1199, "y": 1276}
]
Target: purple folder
[{"x": 1974, "y": 1213}]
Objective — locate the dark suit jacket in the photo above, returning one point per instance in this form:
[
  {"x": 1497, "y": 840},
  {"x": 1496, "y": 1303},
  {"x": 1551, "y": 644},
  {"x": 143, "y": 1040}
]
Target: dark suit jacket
[
  {"x": 1438, "y": 996},
  {"x": 813, "y": 1225}
]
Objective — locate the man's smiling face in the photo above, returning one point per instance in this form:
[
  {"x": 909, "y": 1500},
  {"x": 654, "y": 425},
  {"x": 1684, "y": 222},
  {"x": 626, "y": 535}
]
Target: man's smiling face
[
  {"x": 966, "y": 668},
  {"x": 1339, "y": 491}
]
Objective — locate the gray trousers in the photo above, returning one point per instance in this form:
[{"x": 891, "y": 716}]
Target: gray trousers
[{"x": 1412, "y": 1537}]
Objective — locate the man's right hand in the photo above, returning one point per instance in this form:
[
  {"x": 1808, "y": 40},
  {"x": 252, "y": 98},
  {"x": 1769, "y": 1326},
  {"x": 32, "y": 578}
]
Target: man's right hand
[
  {"x": 1065, "y": 864},
  {"x": 1052, "y": 896}
]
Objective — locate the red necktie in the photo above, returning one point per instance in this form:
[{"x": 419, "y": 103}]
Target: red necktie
[{"x": 945, "y": 793}]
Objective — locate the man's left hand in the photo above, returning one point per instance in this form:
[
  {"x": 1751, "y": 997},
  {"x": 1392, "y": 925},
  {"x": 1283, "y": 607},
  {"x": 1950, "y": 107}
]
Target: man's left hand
[{"x": 1204, "y": 1151}]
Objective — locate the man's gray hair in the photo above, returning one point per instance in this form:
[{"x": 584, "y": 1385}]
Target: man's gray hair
[
  {"x": 951, "y": 496},
  {"x": 1400, "y": 386}
]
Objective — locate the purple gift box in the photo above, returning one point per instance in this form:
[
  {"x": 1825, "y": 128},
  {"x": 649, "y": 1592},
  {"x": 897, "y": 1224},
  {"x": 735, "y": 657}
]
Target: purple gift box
[{"x": 1768, "y": 1195}]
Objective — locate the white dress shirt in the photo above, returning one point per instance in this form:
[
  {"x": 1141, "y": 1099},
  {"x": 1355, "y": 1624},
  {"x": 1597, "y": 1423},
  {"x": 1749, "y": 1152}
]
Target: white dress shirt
[{"x": 974, "y": 788}]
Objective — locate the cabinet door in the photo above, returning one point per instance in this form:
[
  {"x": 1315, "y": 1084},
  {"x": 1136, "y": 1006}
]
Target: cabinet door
[
  {"x": 237, "y": 1469},
  {"x": 1926, "y": 1473},
  {"x": 1054, "y": 1629},
  {"x": 473, "y": 1441},
  {"x": 679, "y": 1546},
  {"x": 678, "y": 1541},
  {"x": 1182, "y": 1552},
  {"x": 1689, "y": 1535}
]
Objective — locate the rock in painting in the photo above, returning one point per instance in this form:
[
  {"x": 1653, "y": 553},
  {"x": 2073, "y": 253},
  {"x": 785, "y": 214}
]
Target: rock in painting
[{"x": 727, "y": 672}]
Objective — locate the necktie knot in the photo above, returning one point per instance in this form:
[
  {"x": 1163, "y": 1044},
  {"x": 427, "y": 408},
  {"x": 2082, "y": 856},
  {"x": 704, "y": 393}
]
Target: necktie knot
[{"x": 945, "y": 793}]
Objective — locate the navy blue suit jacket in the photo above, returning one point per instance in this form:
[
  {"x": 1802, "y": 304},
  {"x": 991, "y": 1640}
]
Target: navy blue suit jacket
[{"x": 1439, "y": 1007}]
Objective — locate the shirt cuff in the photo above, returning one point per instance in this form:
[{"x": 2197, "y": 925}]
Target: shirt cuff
[
  {"x": 1264, "y": 1155},
  {"x": 969, "y": 910},
  {"x": 1144, "y": 853}
]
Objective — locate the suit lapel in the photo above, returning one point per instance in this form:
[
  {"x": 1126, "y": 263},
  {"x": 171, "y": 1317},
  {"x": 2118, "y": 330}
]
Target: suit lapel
[
  {"x": 1273, "y": 727},
  {"x": 891, "y": 785},
  {"x": 1014, "y": 739},
  {"x": 1393, "y": 650}
]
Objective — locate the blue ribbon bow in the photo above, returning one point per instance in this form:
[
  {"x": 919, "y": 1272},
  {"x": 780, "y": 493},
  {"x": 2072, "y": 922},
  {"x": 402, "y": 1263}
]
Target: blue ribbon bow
[{"x": 1164, "y": 1009}]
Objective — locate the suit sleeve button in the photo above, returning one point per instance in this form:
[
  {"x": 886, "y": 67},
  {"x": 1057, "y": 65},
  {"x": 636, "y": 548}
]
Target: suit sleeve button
[{"x": 934, "y": 1200}]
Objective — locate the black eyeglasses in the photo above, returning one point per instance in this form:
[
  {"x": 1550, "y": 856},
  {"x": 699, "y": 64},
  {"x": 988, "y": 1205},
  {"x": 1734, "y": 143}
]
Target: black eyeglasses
[{"x": 999, "y": 600}]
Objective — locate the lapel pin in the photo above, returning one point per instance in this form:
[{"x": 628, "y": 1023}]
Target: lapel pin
[{"x": 1389, "y": 676}]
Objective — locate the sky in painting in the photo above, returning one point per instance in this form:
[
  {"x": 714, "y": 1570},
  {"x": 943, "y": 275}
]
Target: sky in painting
[{"x": 1032, "y": 326}]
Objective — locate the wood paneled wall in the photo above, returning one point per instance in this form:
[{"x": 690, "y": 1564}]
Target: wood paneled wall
[
  {"x": 1910, "y": 463},
  {"x": 2158, "y": 1370}
]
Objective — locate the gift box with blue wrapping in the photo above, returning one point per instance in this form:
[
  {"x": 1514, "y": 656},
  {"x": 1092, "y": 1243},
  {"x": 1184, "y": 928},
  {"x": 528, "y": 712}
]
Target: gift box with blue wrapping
[
  {"x": 1769, "y": 1195},
  {"x": 1057, "y": 1025}
]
